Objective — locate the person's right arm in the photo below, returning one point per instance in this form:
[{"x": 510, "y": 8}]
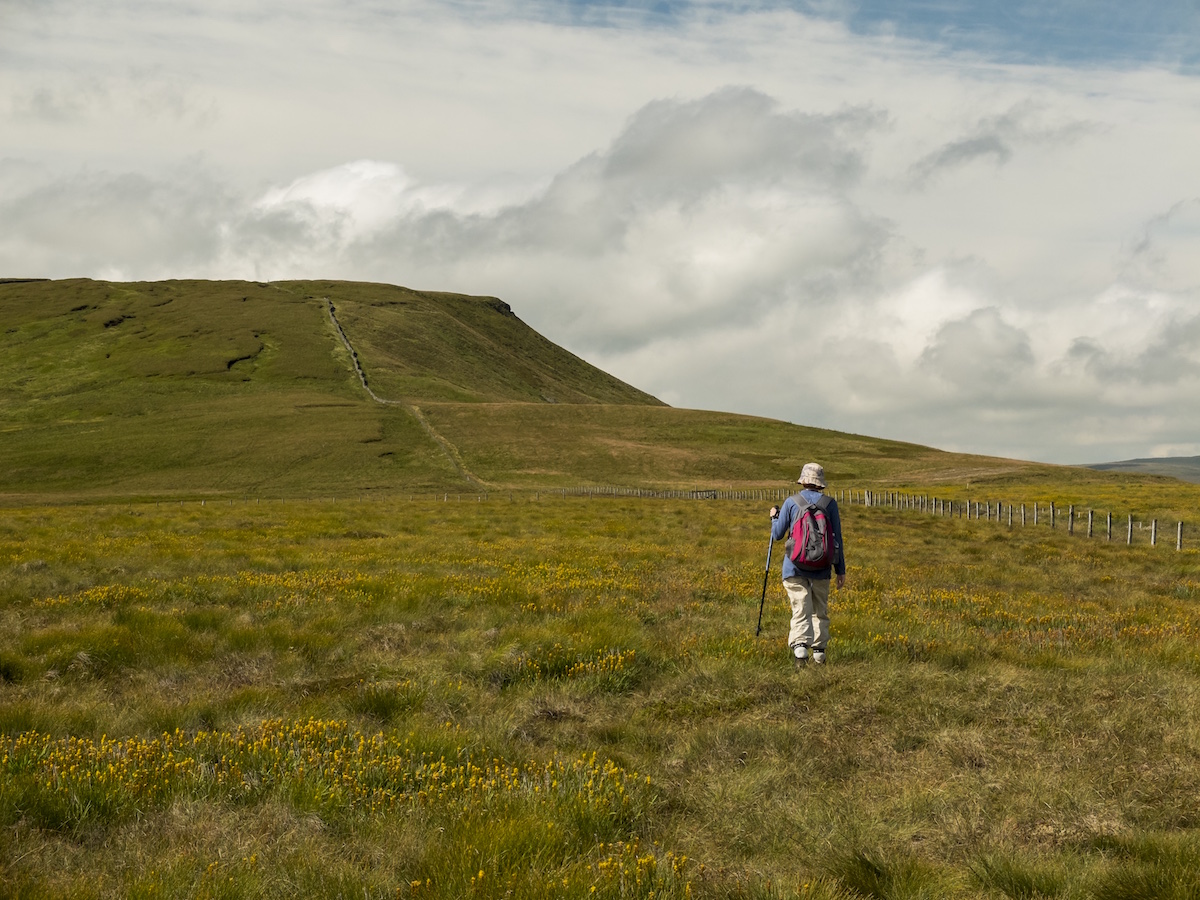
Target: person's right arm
[{"x": 781, "y": 520}]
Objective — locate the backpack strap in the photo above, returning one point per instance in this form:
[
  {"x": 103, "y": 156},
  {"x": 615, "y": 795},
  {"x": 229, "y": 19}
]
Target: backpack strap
[{"x": 802, "y": 504}]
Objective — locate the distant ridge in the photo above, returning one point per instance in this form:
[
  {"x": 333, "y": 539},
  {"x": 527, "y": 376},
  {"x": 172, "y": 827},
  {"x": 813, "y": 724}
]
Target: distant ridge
[{"x": 1185, "y": 468}]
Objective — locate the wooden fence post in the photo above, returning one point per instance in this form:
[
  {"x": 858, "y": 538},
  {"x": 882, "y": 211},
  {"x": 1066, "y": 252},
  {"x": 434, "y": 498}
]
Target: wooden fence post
[
  {"x": 1035, "y": 513},
  {"x": 1053, "y": 514},
  {"x": 1090, "y": 512},
  {"x": 1179, "y": 537},
  {"x": 1108, "y": 531},
  {"x": 1071, "y": 519},
  {"x": 1129, "y": 531},
  {"x": 1022, "y": 515},
  {"x": 1154, "y": 532}
]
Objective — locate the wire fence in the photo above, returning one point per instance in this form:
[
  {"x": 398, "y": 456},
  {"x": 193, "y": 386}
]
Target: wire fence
[{"x": 1088, "y": 522}]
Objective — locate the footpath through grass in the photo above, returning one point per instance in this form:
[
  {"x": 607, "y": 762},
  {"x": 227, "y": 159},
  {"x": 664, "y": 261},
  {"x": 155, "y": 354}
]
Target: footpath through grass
[{"x": 566, "y": 699}]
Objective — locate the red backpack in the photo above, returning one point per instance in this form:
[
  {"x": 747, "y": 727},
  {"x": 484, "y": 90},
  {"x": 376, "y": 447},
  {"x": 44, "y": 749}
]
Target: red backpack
[{"x": 810, "y": 545}]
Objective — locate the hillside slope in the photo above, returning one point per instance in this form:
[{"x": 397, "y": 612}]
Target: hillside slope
[
  {"x": 188, "y": 388},
  {"x": 449, "y": 347},
  {"x": 1185, "y": 468}
]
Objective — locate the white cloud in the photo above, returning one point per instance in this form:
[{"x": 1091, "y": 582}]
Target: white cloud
[{"x": 356, "y": 199}]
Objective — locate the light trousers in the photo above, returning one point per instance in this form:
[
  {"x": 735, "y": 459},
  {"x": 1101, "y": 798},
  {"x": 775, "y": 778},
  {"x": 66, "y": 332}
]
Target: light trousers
[{"x": 810, "y": 611}]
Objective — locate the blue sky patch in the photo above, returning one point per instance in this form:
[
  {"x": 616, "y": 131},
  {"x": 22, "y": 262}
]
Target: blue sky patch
[{"x": 1072, "y": 32}]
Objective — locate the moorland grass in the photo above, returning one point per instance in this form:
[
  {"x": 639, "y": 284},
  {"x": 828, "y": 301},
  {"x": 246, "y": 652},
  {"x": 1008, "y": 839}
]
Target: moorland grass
[
  {"x": 191, "y": 389},
  {"x": 566, "y": 698}
]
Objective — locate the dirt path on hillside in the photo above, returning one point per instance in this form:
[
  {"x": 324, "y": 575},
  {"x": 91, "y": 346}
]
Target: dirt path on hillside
[{"x": 450, "y": 451}]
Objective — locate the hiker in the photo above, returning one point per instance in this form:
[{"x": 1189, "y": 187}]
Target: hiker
[{"x": 806, "y": 574}]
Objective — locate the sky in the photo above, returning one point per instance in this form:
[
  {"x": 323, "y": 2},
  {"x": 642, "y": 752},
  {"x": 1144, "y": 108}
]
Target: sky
[{"x": 966, "y": 224}]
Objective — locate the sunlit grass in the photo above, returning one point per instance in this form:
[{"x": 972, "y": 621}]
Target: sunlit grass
[{"x": 566, "y": 698}]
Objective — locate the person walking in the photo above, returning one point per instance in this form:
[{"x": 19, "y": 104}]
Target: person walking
[{"x": 808, "y": 587}]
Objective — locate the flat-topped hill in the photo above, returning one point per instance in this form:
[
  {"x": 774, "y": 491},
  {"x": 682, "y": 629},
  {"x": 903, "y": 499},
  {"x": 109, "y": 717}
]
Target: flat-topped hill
[
  {"x": 80, "y": 334},
  {"x": 242, "y": 388}
]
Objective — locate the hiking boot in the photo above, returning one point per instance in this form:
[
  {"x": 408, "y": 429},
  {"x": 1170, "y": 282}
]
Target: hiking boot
[
  {"x": 800, "y": 656},
  {"x": 819, "y": 656}
]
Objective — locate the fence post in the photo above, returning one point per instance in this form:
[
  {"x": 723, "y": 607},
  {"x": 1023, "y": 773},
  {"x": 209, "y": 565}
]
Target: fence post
[
  {"x": 1108, "y": 536},
  {"x": 1071, "y": 519},
  {"x": 1090, "y": 516},
  {"x": 1035, "y": 513},
  {"x": 1129, "y": 532},
  {"x": 1154, "y": 532},
  {"x": 1178, "y": 537},
  {"x": 1053, "y": 515},
  {"x": 1022, "y": 515}
]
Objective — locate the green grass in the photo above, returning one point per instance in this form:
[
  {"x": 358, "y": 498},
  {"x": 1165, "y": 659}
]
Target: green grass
[
  {"x": 214, "y": 684},
  {"x": 191, "y": 389},
  {"x": 1005, "y": 713},
  {"x": 235, "y": 388}
]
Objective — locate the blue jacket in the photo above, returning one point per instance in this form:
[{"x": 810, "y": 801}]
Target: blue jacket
[{"x": 781, "y": 529}]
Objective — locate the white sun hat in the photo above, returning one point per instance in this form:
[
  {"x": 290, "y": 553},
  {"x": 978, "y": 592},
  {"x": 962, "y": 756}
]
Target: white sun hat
[{"x": 812, "y": 474}]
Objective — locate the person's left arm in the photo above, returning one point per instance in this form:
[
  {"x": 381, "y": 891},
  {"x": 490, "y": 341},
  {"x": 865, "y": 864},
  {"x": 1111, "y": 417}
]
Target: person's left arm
[{"x": 839, "y": 562}]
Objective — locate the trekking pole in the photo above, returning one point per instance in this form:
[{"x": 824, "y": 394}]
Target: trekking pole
[{"x": 766, "y": 574}]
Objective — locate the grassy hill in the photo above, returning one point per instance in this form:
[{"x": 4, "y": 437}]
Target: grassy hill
[
  {"x": 196, "y": 388},
  {"x": 243, "y": 387}
]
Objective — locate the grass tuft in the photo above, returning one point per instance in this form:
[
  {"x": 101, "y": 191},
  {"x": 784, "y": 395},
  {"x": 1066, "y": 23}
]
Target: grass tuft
[
  {"x": 1019, "y": 879},
  {"x": 879, "y": 875}
]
